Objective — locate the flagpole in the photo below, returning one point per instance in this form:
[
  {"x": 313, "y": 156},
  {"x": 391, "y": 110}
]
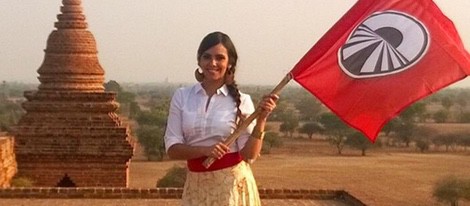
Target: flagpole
[{"x": 236, "y": 134}]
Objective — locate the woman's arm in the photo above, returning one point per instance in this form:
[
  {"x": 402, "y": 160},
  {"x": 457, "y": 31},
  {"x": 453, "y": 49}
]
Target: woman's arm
[{"x": 253, "y": 146}]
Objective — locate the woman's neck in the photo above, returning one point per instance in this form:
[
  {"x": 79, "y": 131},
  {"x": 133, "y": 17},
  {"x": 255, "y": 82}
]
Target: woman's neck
[{"x": 211, "y": 87}]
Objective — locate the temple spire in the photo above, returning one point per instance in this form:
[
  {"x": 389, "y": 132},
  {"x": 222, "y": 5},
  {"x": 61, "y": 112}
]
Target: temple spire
[
  {"x": 70, "y": 125},
  {"x": 72, "y": 16},
  {"x": 71, "y": 61}
]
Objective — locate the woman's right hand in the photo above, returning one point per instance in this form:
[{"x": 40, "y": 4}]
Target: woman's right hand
[{"x": 218, "y": 150}]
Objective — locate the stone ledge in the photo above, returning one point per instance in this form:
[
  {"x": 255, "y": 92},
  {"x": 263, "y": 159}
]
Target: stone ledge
[{"x": 164, "y": 193}]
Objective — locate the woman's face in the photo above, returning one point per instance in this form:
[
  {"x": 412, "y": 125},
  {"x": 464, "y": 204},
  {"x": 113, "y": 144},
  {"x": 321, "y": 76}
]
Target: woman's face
[{"x": 214, "y": 63}]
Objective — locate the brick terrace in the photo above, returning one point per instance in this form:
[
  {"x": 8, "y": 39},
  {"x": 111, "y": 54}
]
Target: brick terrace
[{"x": 161, "y": 196}]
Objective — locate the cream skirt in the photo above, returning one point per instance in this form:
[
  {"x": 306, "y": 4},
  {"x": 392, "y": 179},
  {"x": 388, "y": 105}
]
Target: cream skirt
[{"x": 232, "y": 186}]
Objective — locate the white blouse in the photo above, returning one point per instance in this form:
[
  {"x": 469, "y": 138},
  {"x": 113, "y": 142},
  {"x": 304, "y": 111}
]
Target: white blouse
[{"x": 190, "y": 123}]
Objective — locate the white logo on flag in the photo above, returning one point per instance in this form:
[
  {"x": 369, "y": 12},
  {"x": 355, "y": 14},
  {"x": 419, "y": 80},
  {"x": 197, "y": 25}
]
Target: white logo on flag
[{"x": 385, "y": 43}]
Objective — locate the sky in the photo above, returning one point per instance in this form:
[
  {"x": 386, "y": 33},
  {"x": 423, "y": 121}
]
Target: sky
[{"x": 146, "y": 41}]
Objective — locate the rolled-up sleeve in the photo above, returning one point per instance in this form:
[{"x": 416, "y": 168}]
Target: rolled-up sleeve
[{"x": 174, "y": 131}]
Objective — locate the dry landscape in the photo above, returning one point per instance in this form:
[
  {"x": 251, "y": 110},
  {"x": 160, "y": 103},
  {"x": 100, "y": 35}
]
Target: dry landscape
[{"x": 384, "y": 177}]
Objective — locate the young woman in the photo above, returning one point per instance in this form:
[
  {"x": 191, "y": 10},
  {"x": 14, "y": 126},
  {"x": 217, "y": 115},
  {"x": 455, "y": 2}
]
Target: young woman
[{"x": 202, "y": 116}]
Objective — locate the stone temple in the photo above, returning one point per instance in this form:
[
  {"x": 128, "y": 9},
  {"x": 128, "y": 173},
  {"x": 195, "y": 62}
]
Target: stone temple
[{"x": 70, "y": 135}]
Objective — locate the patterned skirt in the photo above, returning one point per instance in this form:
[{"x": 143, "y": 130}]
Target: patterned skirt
[{"x": 232, "y": 186}]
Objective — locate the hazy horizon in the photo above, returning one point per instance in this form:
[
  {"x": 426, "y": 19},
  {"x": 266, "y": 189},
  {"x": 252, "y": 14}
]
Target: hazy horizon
[{"x": 151, "y": 41}]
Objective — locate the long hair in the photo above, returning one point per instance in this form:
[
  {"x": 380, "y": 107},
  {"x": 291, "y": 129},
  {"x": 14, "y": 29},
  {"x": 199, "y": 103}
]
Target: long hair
[{"x": 213, "y": 39}]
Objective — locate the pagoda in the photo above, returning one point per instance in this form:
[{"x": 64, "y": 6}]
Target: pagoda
[{"x": 70, "y": 135}]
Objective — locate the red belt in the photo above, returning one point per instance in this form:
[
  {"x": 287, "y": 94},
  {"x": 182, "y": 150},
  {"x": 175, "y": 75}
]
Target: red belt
[{"x": 228, "y": 160}]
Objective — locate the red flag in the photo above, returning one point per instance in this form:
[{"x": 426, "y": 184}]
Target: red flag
[{"x": 379, "y": 58}]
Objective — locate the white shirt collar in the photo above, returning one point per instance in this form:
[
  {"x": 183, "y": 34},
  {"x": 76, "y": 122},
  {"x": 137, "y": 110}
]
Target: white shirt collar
[{"x": 222, "y": 90}]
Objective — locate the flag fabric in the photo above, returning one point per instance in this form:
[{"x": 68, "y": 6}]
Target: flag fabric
[{"x": 379, "y": 58}]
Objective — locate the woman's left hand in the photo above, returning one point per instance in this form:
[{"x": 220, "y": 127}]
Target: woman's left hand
[{"x": 267, "y": 104}]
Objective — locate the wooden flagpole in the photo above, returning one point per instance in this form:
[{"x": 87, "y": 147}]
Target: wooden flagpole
[{"x": 236, "y": 134}]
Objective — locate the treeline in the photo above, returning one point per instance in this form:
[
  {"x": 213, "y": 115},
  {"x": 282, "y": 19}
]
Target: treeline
[{"x": 146, "y": 107}]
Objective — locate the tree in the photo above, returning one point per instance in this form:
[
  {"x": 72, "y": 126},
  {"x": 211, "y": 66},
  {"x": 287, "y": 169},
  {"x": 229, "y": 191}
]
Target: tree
[
  {"x": 308, "y": 107},
  {"x": 464, "y": 140},
  {"x": 404, "y": 131},
  {"x": 441, "y": 116},
  {"x": 157, "y": 115},
  {"x": 447, "y": 102},
  {"x": 134, "y": 110},
  {"x": 359, "y": 141},
  {"x": 151, "y": 138},
  {"x": 416, "y": 111},
  {"x": 154, "y": 117},
  {"x": 282, "y": 108},
  {"x": 464, "y": 117},
  {"x": 175, "y": 177},
  {"x": 451, "y": 189},
  {"x": 335, "y": 129},
  {"x": 10, "y": 113},
  {"x": 151, "y": 131},
  {"x": 462, "y": 102},
  {"x": 311, "y": 128},
  {"x": 390, "y": 126},
  {"x": 289, "y": 124},
  {"x": 422, "y": 145},
  {"x": 271, "y": 140},
  {"x": 448, "y": 140},
  {"x": 423, "y": 136}
]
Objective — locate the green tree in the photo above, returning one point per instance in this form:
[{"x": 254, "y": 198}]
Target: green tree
[
  {"x": 134, "y": 110},
  {"x": 390, "y": 126},
  {"x": 175, "y": 177},
  {"x": 416, "y": 111},
  {"x": 282, "y": 108},
  {"x": 447, "y": 102},
  {"x": 359, "y": 141},
  {"x": 404, "y": 132},
  {"x": 464, "y": 141},
  {"x": 451, "y": 189},
  {"x": 448, "y": 140},
  {"x": 10, "y": 113},
  {"x": 335, "y": 129},
  {"x": 441, "y": 116},
  {"x": 423, "y": 136},
  {"x": 154, "y": 117},
  {"x": 290, "y": 122},
  {"x": 311, "y": 128},
  {"x": 151, "y": 130},
  {"x": 464, "y": 117},
  {"x": 462, "y": 102},
  {"x": 309, "y": 108},
  {"x": 271, "y": 140},
  {"x": 151, "y": 138}
]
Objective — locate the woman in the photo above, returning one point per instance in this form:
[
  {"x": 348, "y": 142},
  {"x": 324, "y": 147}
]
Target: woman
[{"x": 202, "y": 116}]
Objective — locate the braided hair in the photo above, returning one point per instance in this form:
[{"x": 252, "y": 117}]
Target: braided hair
[{"x": 213, "y": 39}]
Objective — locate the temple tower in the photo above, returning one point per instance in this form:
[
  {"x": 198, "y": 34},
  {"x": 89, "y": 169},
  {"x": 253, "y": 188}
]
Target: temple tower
[{"x": 70, "y": 135}]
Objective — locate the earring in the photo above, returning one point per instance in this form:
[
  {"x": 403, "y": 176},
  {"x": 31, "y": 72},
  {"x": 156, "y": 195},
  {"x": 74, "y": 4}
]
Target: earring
[
  {"x": 230, "y": 76},
  {"x": 230, "y": 70},
  {"x": 198, "y": 75}
]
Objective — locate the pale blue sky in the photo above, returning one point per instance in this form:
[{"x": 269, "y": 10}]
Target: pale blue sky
[{"x": 154, "y": 40}]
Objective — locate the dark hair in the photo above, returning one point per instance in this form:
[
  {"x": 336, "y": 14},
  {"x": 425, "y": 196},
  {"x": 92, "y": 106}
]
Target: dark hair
[{"x": 213, "y": 39}]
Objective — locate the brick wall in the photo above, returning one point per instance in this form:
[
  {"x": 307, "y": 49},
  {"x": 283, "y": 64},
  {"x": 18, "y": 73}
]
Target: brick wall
[
  {"x": 7, "y": 160},
  {"x": 166, "y": 193}
]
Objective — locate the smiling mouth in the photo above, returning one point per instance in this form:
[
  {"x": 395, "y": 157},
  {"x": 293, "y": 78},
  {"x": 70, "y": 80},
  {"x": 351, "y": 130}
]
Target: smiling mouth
[{"x": 213, "y": 70}]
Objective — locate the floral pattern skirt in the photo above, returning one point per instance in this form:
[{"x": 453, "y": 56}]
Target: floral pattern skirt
[{"x": 232, "y": 186}]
